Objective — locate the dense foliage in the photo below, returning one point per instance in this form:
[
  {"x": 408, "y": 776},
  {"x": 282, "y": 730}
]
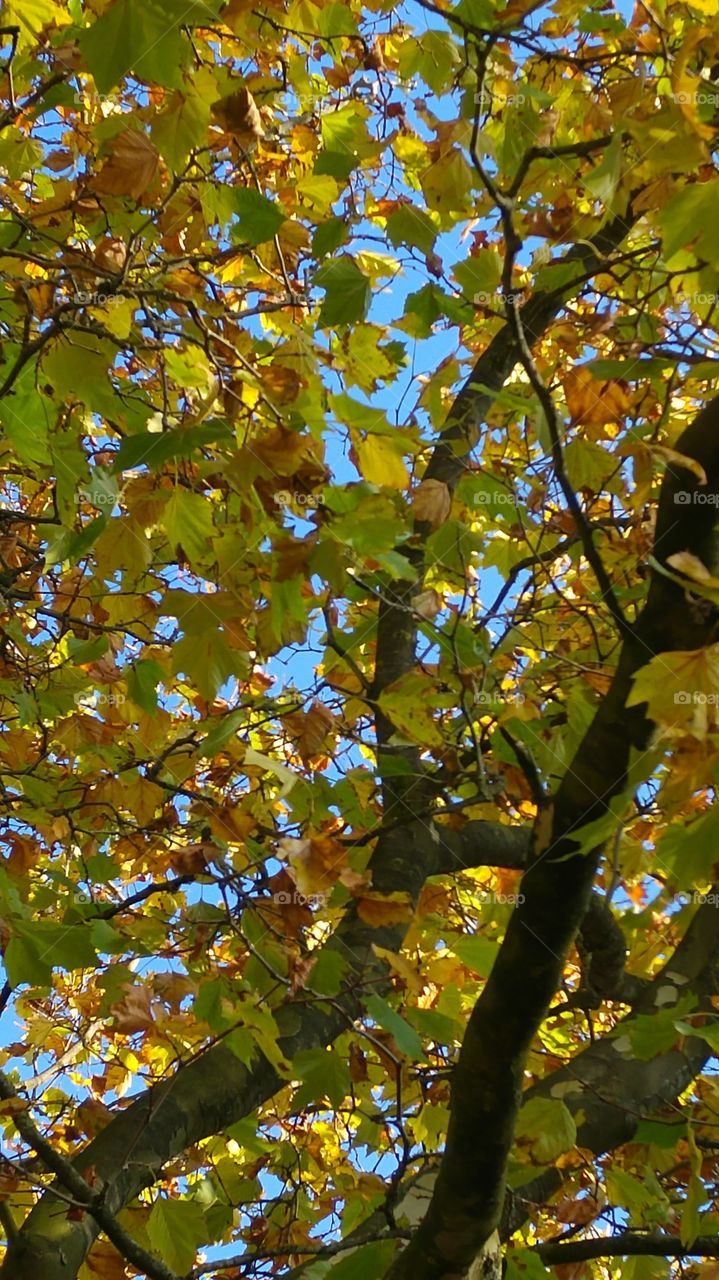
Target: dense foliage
[{"x": 345, "y": 351}]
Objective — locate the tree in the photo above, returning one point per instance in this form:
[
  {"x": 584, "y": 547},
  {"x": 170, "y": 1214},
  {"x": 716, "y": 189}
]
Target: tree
[{"x": 359, "y": 639}]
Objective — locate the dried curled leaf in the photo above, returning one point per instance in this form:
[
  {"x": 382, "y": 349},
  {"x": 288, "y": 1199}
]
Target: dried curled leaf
[{"x": 238, "y": 114}]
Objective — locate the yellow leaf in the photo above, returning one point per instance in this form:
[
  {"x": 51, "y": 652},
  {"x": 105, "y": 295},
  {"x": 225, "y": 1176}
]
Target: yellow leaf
[
  {"x": 692, "y": 567},
  {"x": 407, "y": 704},
  {"x": 381, "y": 462},
  {"x": 447, "y": 184},
  {"x": 380, "y": 909},
  {"x": 401, "y": 966},
  {"x": 681, "y": 460},
  {"x": 681, "y": 690}
]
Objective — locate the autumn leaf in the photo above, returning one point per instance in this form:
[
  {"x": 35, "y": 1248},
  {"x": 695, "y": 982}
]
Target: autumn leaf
[
  {"x": 131, "y": 168},
  {"x": 133, "y": 1012},
  {"x": 431, "y": 502},
  {"x": 237, "y": 113},
  {"x": 309, "y": 730}
]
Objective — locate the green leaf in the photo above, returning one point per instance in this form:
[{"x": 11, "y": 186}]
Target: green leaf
[
  {"x": 344, "y": 132},
  {"x": 697, "y": 1194},
  {"x": 689, "y": 218},
  {"x": 708, "y": 1032},
  {"x": 643, "y": 1198},
  {"x": 182, "y": 126},
  {"x": 208, "y": 660},
  {"x": 18, "y": 153},
  {"x": 38, "y": 947},
  {"x": 524, "y": 1264},
  {"x": 187, "y": 521},
  {"x": 476, "y": 953},
  {"x": 654, "y": 1033},
  {"x": 335, "y": 20},
  {"x": 142, "y": 36},
  {"x": 142, "y": 681},
  {"x": 437, "y": 1026},
  {"x": 324, "y": 1075},
  {"x": 347, "y": 292},
  {"x": 327, "y": 973},
  {"x": 480, "y": 277},
  {"x": 153, "y": 449},
  {"x": 689, "y": 850},
  {"x": 434, "y": 57},
  {"x": 658, "y": 1134},
  {"x": 369, "y": 1260},
  {"x": 411, "y": 226},
  {"x": 222, "y": 732},
  {"x": 604, "y": 178},
  {"x": 258, "y": 219},
  {"x": 406, "y": 1038},
  {"x": 175, "y": 1229},
  {"x": 25, "y": 417},
  {"x": 546, "y": 1127},
  {"x": 329, "y": 236}
]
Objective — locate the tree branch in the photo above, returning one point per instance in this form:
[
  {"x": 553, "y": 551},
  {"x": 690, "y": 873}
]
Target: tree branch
[
  {"x": 215, "y": 1089},
  {"x": 487, "y": 1084},
  {"x": 82, "y": 1192},
  {"x": 627, "y": 1245}
]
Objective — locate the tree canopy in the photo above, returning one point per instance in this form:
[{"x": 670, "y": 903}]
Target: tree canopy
[{"x": 359, "y": 661}]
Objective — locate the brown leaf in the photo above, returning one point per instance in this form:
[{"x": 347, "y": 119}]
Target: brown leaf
[
  {"x": 193, "y": 859},
  {"x": 310, "y": 730},
  {"x": 427, "y": 604},
  {"x": 133, "y": 1012},
  {"x": 358, "y": 1064},
  {"x": 131, "y": 167},
  {"x": 281, "y": 451},
  {"x": 431, "y": 502},
  {"x": 283, "y": 384},
  {"x": 111, "y": 254},
  {"x": 237, "y": 113},
  {"x": 105, "y": 1261}
]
